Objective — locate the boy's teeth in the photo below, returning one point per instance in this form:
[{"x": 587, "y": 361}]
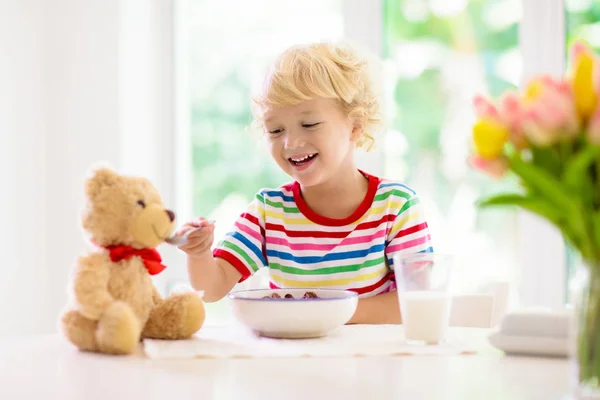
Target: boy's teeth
[{"x": 302, "y": 158}]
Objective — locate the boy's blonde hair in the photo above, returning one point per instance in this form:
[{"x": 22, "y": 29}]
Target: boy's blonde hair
[{"x": 328, "y": 70}]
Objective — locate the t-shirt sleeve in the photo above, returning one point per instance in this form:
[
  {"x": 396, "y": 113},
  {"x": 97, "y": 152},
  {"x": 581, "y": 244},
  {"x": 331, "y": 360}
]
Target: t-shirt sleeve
[
  {"x": 244, "y": 245},
  {"x": 409, "y": 232}
]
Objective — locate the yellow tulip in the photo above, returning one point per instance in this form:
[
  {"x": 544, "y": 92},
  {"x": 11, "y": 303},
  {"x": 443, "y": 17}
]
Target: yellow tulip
[
  {"x": 489, "y": 137},
  {"x": 533, "y": 90},
  {"x": 582, "y": 83}
]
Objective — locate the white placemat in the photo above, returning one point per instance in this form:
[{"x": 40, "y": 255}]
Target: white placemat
[{"x": 348, "y": 341}]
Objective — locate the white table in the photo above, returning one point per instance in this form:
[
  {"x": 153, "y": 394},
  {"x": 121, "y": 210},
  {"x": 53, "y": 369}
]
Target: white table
[{"x": 47, "y": 367}]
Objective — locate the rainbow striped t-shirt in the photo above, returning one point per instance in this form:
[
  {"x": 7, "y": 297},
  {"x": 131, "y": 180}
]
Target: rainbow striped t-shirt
[{"x": 303, "y": 249}]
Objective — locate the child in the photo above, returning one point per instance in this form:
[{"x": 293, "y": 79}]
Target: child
[{"x": 334, "y": 226}]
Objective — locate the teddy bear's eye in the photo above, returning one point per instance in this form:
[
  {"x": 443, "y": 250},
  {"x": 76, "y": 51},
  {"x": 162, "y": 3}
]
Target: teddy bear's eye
[{"x": 142, "y": 203}]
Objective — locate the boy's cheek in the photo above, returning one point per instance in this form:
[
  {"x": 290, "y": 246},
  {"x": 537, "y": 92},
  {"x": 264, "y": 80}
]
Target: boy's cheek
[{"x": 276, "y": 152}]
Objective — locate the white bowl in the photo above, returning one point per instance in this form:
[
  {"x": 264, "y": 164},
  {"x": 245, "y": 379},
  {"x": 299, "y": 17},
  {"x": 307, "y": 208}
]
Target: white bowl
[{"x": 293, "y": 318}]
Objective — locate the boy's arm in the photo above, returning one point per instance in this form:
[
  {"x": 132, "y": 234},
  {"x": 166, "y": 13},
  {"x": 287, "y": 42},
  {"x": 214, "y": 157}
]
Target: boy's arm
[
  {"x": 215, "y": 276},
  {"x": 380, "y": 309},
  {"x": 409, "y": 233},
  {"x": 235, "y": 258}
]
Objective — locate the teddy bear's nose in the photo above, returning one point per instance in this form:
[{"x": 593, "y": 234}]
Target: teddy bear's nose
[{"x": 171, "y": 215}]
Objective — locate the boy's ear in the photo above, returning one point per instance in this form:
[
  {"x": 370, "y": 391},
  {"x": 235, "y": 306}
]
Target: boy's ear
[{"x": 357, "y": 130}]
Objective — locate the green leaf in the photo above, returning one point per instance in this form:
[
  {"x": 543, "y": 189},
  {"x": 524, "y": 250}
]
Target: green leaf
[
  {"x": 574, "y": 215},
  {"x": 595, "y": 225},
  {"x": 538, "y": 206},
  {"x": 541, "y": 181},
  {"x": 577, "y": 173},
  {"x": 548, "y": 187},
  {"x": 547, "y": 158},
  {"x": 581, "y": 163}
]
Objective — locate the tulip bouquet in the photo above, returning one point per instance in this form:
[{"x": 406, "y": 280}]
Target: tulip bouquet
[{"x": 548, "y": 137}]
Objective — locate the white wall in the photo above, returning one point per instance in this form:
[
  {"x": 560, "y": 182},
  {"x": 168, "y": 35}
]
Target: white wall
[
  {"x": 22, "y": 165},
  {"x": 78, "y": 84},
  {"x": 83, "y": 126}
]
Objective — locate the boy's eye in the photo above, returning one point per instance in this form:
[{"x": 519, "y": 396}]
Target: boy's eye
[
  {"x": 141, "y": 203},
  {"x": 275, "y": 131},
  {"x": 310, "y": 125}
]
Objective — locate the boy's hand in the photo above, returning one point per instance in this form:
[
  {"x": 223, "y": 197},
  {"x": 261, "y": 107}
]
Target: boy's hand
[{"x": 200, "y": 241}]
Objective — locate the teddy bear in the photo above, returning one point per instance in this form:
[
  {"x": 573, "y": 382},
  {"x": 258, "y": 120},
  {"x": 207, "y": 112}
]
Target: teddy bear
[{"x": 114, "y": 303}]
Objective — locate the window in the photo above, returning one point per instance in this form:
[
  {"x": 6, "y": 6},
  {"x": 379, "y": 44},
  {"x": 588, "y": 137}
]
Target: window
[
  {"x": 437, "y": 56},
  {"x": 583, "y": 22},
  {"x": 227, "y": 54}
]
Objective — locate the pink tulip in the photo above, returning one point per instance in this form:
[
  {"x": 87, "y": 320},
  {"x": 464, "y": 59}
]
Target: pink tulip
[
  {"x": 596, "y": 78},
  {"x": 564, "y": 104},
  {"x": 593, "y": 128},
  {"x": 485, "y": 108},
  {"x": 550, "y": 112},
  {"x": 497, "y": 167},
  {"x": 512, "y": 112},
  {"x": 567, "y": 101},
  {"x": 579, "y": 48},
  {"x": 511, "y": 109},
  {"x": 560, "y": 103},
  {"x": 536, "y": 129}
]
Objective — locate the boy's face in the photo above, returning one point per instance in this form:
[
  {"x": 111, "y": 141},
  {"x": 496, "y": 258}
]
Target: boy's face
[{"x": 311, "y": 141}]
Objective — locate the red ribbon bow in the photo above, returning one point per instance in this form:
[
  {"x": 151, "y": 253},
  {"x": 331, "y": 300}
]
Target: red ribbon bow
[{"x": 150, "y": 257}]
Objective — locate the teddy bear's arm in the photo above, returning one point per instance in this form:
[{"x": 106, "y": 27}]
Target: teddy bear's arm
[{"x": 90, "y": 285}]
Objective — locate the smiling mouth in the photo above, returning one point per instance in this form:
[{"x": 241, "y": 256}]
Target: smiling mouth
[{"x": 299, "y": 161}]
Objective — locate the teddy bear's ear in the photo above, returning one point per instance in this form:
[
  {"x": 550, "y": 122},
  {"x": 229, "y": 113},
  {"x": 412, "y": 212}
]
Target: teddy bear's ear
[{"x": 101, "y": 177}]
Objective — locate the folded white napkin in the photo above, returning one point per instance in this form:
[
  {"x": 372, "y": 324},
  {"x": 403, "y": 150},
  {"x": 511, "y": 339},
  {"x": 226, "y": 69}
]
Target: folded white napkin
[{"x": 347, "y": 341}]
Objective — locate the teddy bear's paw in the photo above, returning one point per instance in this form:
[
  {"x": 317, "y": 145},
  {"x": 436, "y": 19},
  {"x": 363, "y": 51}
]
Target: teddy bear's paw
[
  {"x": 118, "y": 330},
  {"x": 177, "y": 317},
  {"x": 193, "y": 314},
  {"x": 79, "y": 330}
]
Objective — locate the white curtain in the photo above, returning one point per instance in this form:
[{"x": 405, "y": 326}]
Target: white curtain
[{"x": 81, "y": 82}]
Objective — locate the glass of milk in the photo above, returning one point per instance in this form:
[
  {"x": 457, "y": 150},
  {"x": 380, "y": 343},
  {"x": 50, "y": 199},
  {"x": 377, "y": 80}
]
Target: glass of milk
[{"x": 422, "y": 281}]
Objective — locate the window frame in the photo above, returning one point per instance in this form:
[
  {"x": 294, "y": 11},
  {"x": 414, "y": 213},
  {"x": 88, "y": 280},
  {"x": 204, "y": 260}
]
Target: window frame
[{"x": 542, "y": 251}]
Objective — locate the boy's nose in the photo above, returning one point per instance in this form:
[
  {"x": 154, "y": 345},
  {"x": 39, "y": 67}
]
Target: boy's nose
[{"x": 292, "y": 141}]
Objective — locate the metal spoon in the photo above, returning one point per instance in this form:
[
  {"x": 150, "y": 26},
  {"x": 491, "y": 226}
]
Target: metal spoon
[{"x": 182, "y": 239}]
